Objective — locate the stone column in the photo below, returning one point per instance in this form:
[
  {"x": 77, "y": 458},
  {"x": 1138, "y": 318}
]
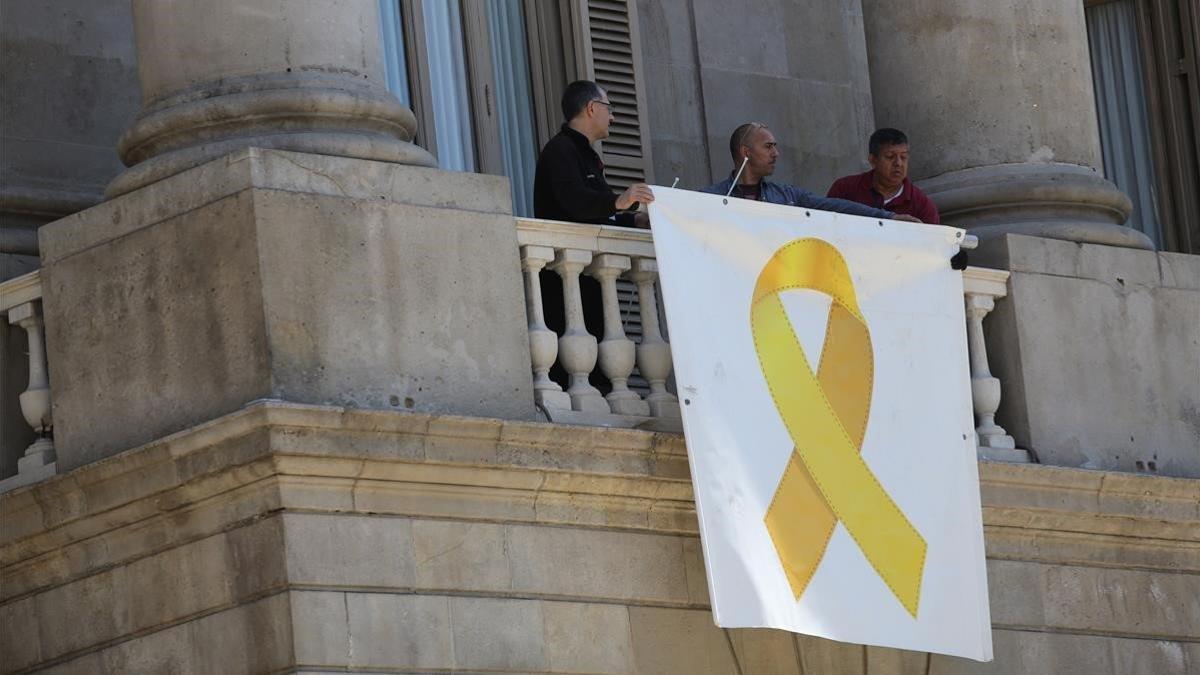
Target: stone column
[
  {"x": 277, "y": 236},
  {"x": 219, "y": 75},
  {"x": 996, "y": 98}
]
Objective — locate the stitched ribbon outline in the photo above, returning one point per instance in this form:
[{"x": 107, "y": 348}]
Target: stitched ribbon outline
[{"x": 825, "y": 412}]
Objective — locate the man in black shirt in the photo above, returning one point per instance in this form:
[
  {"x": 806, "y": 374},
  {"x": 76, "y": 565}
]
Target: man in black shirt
[{"x": 569, "y": 183}]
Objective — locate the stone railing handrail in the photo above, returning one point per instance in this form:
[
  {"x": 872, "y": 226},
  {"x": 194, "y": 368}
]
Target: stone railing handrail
[
  {"x": 606, "y": 253},
  {"x": 21, "y": 303},
  {"x": 20, "y": 290},
  {"x": 606, "y": 238}
]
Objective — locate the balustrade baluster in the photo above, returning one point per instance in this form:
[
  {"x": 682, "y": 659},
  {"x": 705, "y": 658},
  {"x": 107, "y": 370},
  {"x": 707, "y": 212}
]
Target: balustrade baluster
[
  {"x": 981, "y": 287},
  {"x": 543, "y": 342},
  {"x": 985, "y": 389},
  {"x": 654, "y": 353},
  {"x": 577, "y": 348},
  {"x": 617, "y": 352},
  {"x": 35, "y": 400}
]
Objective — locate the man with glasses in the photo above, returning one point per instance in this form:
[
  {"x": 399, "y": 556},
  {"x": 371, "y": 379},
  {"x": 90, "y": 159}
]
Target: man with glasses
[
  {"x": 569, "y": 183},
  {"x": 754, "y": 145}
]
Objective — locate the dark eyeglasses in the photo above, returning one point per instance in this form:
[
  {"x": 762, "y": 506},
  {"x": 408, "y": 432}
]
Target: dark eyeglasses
[{"x": 603, "y": 103}]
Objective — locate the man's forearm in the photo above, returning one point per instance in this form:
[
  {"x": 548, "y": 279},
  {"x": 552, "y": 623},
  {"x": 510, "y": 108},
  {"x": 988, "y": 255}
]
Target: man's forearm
[{"x": 843, "y": 206}]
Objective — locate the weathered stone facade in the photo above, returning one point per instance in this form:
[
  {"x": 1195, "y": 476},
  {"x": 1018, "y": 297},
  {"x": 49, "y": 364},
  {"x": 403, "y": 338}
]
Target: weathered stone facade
[
  {"x": 290, "y": 362},
  {"x": 311, "y": 539}
]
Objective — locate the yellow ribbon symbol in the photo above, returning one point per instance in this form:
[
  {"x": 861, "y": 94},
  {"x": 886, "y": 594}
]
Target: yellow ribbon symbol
[{"x": 825, "y": 412}]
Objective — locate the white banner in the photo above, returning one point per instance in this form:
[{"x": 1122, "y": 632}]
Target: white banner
[{"x": 821, "y": 366}]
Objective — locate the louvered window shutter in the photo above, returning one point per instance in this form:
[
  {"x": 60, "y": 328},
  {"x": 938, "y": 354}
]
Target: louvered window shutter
[
  {"x": 611, "y": 56},
  {"x": 608, "y": 51}
]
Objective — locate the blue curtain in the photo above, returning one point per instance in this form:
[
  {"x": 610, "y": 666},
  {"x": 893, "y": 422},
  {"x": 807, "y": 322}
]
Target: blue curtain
[
  {"x": 395, "y": 63},
  {"x": 448, "y": 85},
  {"x": 1121, "y": 105},
  {"x": 514, "y": 100},
  {"x": 451, "y": 103}
]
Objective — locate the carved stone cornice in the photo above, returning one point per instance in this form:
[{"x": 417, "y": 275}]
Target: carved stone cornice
[{"x": 274, "y": 456}]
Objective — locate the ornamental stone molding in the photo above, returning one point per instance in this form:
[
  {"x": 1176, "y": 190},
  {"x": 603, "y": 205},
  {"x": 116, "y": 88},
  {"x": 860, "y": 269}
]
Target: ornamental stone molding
[
  {"x": 300, "y": 75},
  {"x": 288, "y": 536},
  {"x": 1054, "y": 200},
  {"x": 1007, "y": 140}
]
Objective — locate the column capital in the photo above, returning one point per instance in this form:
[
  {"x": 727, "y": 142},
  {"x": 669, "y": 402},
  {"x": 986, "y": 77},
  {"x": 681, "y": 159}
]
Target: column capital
[
  {"x": 979, "y": 304},
  {"x": 571, "y": 260},
  {"x": 608, "y": 265},
  {"x": 26, "y": 314},
  {"x": 536, "y": 257}
]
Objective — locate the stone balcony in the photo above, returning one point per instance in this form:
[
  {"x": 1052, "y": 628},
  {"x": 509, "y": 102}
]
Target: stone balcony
[
  {"x": 286, "y": 538},
  {"x": 288, "y": 535},
  {"x": 1085, "y": 355},
  {"x": 609, "y": 255}
]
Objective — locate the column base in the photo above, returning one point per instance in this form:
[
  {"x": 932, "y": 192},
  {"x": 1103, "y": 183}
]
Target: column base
[
  {"x": 551, "y": 399},
  {"x": 613, "y": 420},
  {"x": 628, "y": 403},
  {"x": 37, "y": 456},
  {"x": 298, "y": 277},
  {"x": 28, "y": 476},
  {"x": 1096, "y": 349},
  {"x": 1011, "y": 455},
  {"x": 375, "y": 147},
  {"x": 1052, "y": 200}
]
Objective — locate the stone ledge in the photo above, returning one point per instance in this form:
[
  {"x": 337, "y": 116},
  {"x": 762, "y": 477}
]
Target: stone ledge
[
  {"x": 275, "y": 456},
  {"x": 397, "y": 506},
  {"x": 268, "y": 428},
  {"x": 260, "y": 168},
  {"x": 1113, "y": 265},
  {"x": 1107, "y": 493}
]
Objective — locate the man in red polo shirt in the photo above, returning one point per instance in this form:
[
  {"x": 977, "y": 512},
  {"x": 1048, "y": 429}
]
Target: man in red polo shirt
[{"x": 886, "y": 185}]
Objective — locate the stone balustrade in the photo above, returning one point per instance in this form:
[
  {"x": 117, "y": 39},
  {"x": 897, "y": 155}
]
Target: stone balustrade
[
  {"x": 610, "y": 254},
  {"x": 981, "y": 287},
  {"x": 618, "y": 259},
  {"x": 630, "y": 361},
  {"x": 21, "y": 304}
]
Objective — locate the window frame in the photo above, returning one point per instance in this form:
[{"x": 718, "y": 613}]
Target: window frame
[
  {"x": 559, "y": 51},
  {"x": 545, "y": 47},
  {"x": 1166, "y": 28}
]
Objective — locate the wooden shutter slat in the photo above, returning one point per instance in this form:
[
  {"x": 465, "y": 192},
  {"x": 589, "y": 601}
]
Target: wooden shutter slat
[{"x": 612, "y": 59}]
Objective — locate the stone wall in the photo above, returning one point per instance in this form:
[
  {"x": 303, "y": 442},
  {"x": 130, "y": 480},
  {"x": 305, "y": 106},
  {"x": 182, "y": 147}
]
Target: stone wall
[
  {"x": 800, "y": 68},
  {"x": 288, "y": 538},
  {"x": 67, "y": 90},
  {"x": 1098, "y": 350},
  {"x": 272, "y": 274},
  {"x": 984, "y": 82}
]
